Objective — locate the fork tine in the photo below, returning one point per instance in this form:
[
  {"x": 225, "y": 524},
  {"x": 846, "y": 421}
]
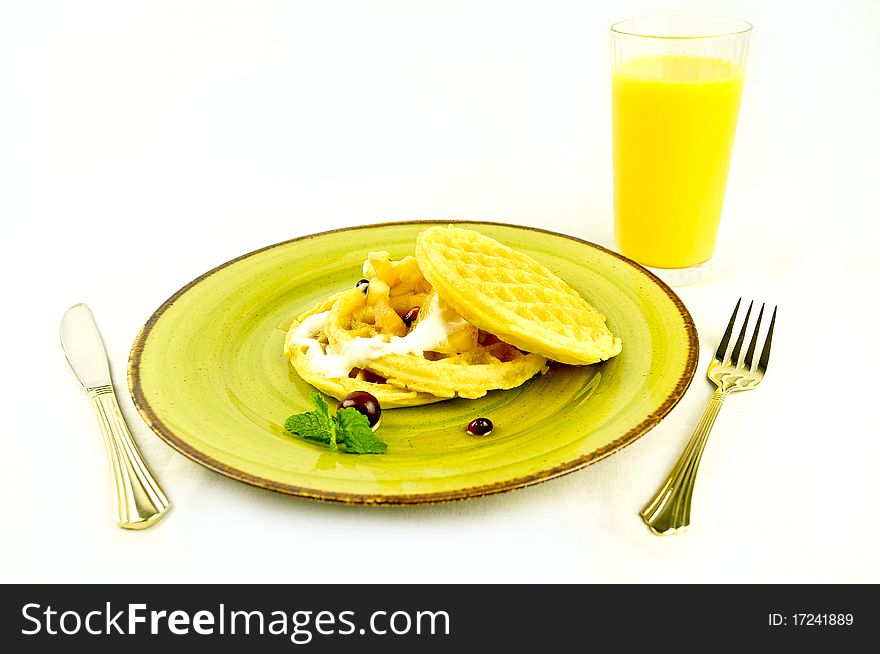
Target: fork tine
[
  {"x": 750, "y": 353},
  {"x": 722, "y": 347},
  {"x": 734, "y": 356},
  {"x": 765, "y": 353}
]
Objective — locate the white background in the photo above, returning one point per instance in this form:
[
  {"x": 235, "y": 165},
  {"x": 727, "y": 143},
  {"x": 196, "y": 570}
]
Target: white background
[{"x": 142, "y": 143}]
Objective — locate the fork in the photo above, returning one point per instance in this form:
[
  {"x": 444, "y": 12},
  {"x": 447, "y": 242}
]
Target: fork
[{"x": 670, "y": 510}]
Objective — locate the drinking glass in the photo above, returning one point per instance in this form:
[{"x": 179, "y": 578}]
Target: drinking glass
[{"x": 676, "y": 88}]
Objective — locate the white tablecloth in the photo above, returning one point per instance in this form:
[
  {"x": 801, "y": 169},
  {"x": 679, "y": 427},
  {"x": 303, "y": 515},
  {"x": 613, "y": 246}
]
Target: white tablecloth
[{"x": 144, "y": 143}]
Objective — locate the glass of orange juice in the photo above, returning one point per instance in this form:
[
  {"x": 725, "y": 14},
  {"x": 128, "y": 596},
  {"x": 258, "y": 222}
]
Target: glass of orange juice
[{"x": 676, "y": 88}]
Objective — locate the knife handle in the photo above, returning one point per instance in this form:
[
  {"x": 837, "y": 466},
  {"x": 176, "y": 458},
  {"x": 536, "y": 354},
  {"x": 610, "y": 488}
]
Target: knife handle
[{"x": 140, "y": 502}]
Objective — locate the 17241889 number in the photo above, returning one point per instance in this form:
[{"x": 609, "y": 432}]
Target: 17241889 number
[
  {"x": 822, "y": 619},
  {"x": 810, "y": 620}
]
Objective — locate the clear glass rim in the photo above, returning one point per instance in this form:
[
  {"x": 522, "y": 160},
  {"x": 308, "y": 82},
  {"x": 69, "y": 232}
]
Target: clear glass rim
[{"x": 735, "y": 27}]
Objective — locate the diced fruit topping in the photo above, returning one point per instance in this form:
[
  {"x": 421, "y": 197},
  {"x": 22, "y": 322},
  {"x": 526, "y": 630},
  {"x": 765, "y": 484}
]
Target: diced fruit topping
[
  {"x": 378, "y": 264},
  {"x": 409, "y": 275},
  {"x": 378, "y": 290},
  {"x": 411, "y": 316},
  {"x": 362, "y": 374},
  {"x": 372, "y": 377},
  {"x": 387, "y": 320},
  {"x": 403, "y": 303},
  {"x": 402, "y": 277},
  {"x": 461, "y": 337},
  {"x": 462, "y": 340}
]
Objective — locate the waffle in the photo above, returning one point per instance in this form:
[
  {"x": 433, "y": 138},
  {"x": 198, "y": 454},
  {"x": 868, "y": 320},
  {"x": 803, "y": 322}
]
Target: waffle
[
  {"x": 512, "y": 296},
  {"x": 405, "y": 379},
  {"x": 388, "y": 395},
  {"x": 469, "y": 374}
]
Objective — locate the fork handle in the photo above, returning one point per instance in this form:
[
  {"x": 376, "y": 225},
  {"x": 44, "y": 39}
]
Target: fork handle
[
  {"x": 140, "y": 501},
  {"x": 670, "y": 510}
]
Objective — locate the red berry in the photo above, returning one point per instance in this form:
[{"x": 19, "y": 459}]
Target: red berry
[
  {"x": 365, "y": 403},
  {"x": 410, "y": 316},
  {"x": 372, "y": 377},
  {"x": 480, "y": 427}
]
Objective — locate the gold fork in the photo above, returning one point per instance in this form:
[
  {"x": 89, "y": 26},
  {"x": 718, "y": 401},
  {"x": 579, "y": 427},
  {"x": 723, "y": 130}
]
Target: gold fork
[{"x": 670, "y": 510}]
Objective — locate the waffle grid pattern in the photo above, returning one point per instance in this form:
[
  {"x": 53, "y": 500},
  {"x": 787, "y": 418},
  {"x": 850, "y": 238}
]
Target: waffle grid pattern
[{"x": 510, "y": 294}]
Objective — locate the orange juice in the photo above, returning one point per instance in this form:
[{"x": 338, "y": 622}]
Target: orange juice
[{"x": 674, "y": 118}]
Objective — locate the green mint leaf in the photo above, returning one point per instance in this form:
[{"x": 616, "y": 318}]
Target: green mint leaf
[
  {"x": 314, "y": 425},
  {"x": 309, "y": 426},
  {"x": 323, "y": 412},
  {"x": 355, "y": 433},
  {"x": 349, "y": 427},
  {"x": 321, "y": 407}
]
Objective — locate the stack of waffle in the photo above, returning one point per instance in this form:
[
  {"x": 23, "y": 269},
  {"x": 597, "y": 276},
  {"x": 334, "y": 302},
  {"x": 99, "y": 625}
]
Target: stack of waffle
[{"x": 465, "y": 316}]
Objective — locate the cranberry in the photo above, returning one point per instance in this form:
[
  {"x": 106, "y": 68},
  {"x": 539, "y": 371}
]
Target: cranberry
[
  {"x": 364, "y": 285},
  {"x": 372, "y": 377},
  {"x": 365, "y": 403},
  {"x": 366, "y": 375},
  {"x": 480, "y": 427},
  {"x": 410, "y": 316}
]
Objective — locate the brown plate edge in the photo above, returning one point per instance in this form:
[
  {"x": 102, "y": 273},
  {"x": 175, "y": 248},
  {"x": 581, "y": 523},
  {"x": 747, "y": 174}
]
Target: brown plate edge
[{"x": 162, "y": 430}]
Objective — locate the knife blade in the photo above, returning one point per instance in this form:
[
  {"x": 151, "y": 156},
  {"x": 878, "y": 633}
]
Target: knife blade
[
  {"x": 84, "y": 347},
  {"x": 140, "y": 501}
]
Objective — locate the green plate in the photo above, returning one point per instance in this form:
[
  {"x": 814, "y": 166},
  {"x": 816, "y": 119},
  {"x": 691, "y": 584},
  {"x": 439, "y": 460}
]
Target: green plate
[{"x": 208, "y": 375}]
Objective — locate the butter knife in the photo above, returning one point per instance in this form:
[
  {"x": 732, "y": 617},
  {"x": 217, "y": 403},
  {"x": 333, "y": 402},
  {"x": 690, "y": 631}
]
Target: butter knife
[{"x": 140, "y": 502}]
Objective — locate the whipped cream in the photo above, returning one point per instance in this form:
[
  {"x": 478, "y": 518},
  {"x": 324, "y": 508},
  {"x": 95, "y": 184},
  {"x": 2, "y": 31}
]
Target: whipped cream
[{"x": 430, "y": 332}]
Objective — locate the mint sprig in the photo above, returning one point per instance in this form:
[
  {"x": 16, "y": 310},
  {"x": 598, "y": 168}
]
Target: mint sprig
[
  {"x": 348, "y": 427},
  {"x": 356, "y": 433}
]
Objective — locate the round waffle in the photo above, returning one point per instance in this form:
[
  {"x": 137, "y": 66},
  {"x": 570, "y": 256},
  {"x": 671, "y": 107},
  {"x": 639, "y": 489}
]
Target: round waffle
[
  {"x": 388, "y": 395},
  {"x": 410, "y": 379},
  {"x": 469, "y": 374},
  {"x": 509, "y": 294}
]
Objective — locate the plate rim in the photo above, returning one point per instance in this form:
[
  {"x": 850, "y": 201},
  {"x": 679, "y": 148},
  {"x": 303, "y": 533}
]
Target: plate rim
[{"x": 156, "y": 424}]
